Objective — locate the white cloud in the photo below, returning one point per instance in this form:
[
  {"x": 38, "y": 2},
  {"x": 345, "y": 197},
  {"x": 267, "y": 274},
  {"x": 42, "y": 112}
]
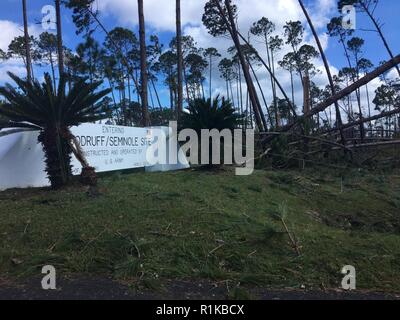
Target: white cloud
[
  {"x": 159, "y": 15},
  {"x": 10, "y": 30},
  {"x": 15, "y": 66}
]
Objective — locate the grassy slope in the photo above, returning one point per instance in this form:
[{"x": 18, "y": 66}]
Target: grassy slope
[{"x": 167, "y": 225}]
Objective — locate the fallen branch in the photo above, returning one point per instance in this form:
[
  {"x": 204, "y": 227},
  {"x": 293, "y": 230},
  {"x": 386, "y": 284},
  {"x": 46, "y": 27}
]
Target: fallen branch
[
  {"x": 345, "y": 92},
  {"x": 292, "y": 239}
]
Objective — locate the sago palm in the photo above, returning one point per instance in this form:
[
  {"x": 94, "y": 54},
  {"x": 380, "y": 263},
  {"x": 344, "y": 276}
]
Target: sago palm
[
  {"x": 210, "y": 114},
  {"x": 206, "y": 114},
  {"x": 52, "y": 112}
]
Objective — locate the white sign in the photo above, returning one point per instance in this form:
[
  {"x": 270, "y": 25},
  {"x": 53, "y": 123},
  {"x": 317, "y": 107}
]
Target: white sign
[{"x": 110, "y": 148}]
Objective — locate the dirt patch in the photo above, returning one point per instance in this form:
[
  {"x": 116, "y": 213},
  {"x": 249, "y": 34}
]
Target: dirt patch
[{"x": 362, "y": 222}]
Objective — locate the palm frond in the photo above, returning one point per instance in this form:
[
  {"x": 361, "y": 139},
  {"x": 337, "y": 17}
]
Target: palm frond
[{"x": 43, "y": 106}]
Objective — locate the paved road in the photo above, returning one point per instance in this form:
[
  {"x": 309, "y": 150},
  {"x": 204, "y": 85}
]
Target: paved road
[{"x": 107, "y": 289}]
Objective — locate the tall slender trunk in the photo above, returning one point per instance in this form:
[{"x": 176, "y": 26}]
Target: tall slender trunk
[
  {"x": 233, "y": 100},
  {"x": 151, "y": 97},
  {"x": 186, "y": 84},
  {"x": 275, "y": 79},
  {"x": 143, "y": 66},
  {"x": 180, "y": 56},
  {"x": 110, "y": 84},
  {"x": 369, "y": 105},
  {"x": 60, "y": 49},
  {"x": 240, "y": 100},
  {"x": 137, "y": 86},
  {"x": 353, "y": 78},
  {"x": 358, "y": 92},
  {"x": 292, "y": 86},
  {"x": 231, "y": 25},
  {"x": 27, "y": 43},
  {"x": 274, "y": 91},
  {"x": 328, "y": 71},
  {"x": 262, "y": 95},
  {"x": 156, "y": 92},
  {"x": 210, "y": 77},
  {"x": 271, "y": 75},
  {"x": 171, "y": 98},
  {"x": 52, "y": 69}
]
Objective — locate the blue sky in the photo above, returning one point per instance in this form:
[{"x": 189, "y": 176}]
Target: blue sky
[{"x": 160, "y": 19}]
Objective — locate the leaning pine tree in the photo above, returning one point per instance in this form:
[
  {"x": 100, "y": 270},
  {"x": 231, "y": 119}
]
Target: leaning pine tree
[{"x": 40, "y": 107}]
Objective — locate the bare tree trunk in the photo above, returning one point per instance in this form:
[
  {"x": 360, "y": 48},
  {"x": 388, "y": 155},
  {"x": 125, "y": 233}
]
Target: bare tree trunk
[
  {"x": 186, "y": 84},
  {"x": 240, "y": 98},
  {"x": 233, "y": 100},
  {"x": 350, "y": 66},
  {"x": 129, "y": 89},
  {"x": 143, "y": 66},
  {"x": 180, "y": 56},
  {"x": 52, "y": 69},
  {"x": 231, "y": 25},
  {"x": 275, "y": 79},
  {"x": 346, "y": 91},
  {"x": 151, "y": 96},
  {"x": 272, "y": 80},
  {"x": 263, "y": 97},
  {"x": 325, "y": 60},
  {"x": 60, "y": 49},
  {"x": 27, "y": 43},
  {"x": 376, "y": 117},
  {"x": 156, "y": 92},
  {"x": 210, "y": 77}
]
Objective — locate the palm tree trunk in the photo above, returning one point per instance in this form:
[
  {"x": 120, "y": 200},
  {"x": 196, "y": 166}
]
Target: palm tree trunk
[
  {"x": 27, "y": 43},
  {"x": 57, "y": 156},
  {"x": 143, "y": 65}
]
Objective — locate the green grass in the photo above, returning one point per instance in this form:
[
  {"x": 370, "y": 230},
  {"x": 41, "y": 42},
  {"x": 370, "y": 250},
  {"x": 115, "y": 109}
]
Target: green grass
[{"x": 146, "y": 228}]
